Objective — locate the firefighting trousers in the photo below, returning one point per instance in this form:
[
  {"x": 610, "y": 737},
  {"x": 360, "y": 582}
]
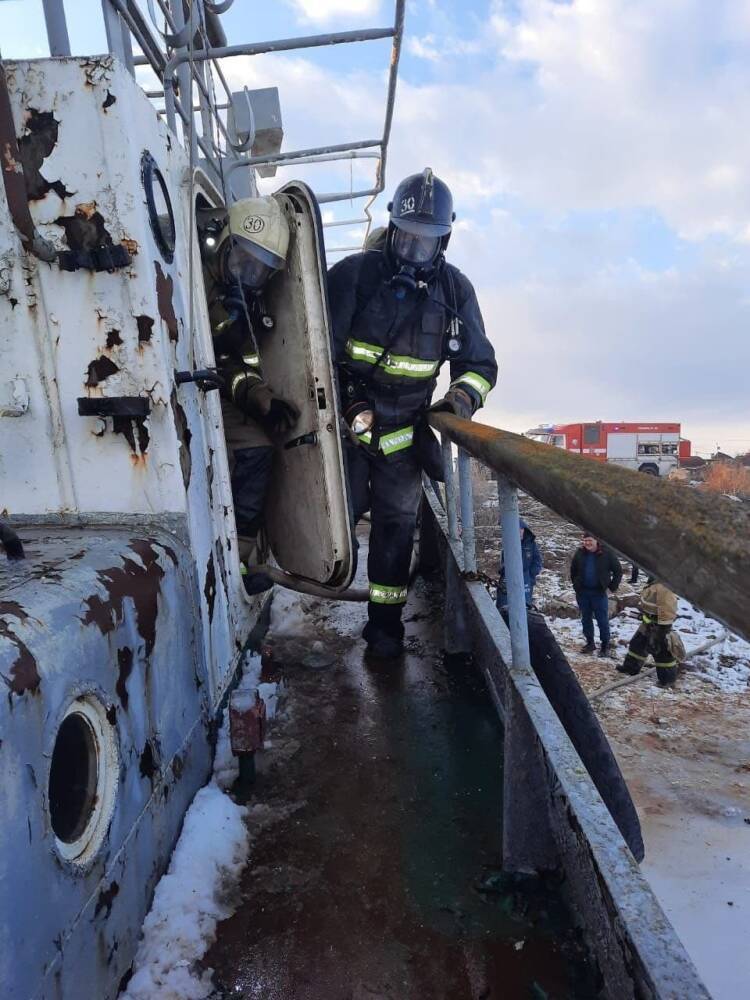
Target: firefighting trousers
[
  {"x": 651, "y": 639},
  {"x": 390, "y": 488}
]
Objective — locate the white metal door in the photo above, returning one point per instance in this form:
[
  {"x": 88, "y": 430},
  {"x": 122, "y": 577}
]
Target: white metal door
[{"x": 307, "y": 518}]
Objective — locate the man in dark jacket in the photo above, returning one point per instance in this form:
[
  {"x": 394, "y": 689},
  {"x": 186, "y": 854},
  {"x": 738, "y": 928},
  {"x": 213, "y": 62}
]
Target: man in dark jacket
[
  {"x": 594, "y": 570},
  {"x": 532, "y": 567},
  {"x": 398, "y": 312}
]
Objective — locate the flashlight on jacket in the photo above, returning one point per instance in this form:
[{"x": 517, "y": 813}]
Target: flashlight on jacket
[{"x": 360, "y": 417}]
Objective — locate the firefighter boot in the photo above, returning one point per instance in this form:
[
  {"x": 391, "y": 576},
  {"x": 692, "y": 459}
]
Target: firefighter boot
[
  {"x": 253, "y": 581},
  {"x": 666, "y": 676},
  {"x": 589, "y": 647},
  {"x": 382, "y": 645},
  {"x": 603, "y": 650}
]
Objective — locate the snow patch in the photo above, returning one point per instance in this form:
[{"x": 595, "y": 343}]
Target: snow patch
[
  {"x": 190, "y": 900},
  {"x": 206, "y": 864},
  {"x": 287, "y": 614}
]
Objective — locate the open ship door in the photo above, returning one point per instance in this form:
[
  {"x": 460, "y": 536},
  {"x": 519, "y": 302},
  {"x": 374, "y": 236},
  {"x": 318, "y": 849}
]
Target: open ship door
[{"x": 307, "y": 516}]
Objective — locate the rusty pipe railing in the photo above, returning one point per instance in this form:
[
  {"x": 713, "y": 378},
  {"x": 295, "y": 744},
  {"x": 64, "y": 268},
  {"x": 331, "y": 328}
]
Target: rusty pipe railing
[
  {"x": 14, "y": 180},
  {"x": 697, "y": 543}
]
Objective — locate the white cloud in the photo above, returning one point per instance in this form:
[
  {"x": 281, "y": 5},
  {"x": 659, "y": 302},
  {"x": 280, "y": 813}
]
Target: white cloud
[
  {"x": 321, "y": 11},
  {"x": 627, "y": 102},
  {"x": 618, "y": 107}
]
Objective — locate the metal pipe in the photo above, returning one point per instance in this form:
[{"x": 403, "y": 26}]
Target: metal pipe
[
  {"x": 299, "y": 155},
  {"x": 398, "y": 34},
  {"x": 466, "y": 495},
  {"x": 57, "y": 28},
  {"x": 347, "y": 195},
  {"x": 14, "y": 180},
  {"x": 697, "y": 543},
  {"x": 139, "y": 29},
  {"x": 450, "y": 487},
  {"x": 345, "y": 222},
  {"x": 259, "y": 48},
  {"x": 513, "y": 561}
]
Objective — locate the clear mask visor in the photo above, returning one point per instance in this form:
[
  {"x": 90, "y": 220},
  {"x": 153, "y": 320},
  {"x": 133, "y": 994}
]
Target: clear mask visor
[
  {"x": 410, "y": 248},
  {"x": 245, "y": 268}
]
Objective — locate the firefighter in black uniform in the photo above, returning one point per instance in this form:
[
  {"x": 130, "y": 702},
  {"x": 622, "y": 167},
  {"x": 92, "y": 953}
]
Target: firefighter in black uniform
[
  {"x": 398, "y": 312},
  {"x": 241, "y": 253}
]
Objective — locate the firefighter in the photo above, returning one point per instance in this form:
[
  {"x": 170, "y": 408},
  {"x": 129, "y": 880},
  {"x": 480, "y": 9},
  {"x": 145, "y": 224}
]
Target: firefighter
[
  {"x": 398, "y": 312},
  {"x": 240, "y": 257},
  {"x": 654, "y": 635}
]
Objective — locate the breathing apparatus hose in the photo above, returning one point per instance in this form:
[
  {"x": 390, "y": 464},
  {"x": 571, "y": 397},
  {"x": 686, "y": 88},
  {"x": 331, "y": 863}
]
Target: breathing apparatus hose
[{"x": 355, "y": 594}]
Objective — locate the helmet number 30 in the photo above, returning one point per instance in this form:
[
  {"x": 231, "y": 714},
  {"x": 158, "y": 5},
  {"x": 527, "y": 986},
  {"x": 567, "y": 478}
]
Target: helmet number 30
[
  {"x": 253, "y": 224},
  {"x": 407, "y": 205}
]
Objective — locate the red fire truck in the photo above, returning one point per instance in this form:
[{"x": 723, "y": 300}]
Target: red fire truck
[{"x": 653, "y": 448}]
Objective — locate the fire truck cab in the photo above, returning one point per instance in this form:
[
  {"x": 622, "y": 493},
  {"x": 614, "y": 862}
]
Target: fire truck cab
[{"x": 653, "y": 448}]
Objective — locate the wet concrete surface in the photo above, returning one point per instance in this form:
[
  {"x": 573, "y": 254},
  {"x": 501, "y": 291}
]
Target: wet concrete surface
[{"x": 375, "y": 823}]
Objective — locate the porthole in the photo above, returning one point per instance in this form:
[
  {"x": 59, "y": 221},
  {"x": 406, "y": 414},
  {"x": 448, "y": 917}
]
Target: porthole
[
  {"x": 160, "y": 214},
  {"x": 83, "y": 779}
]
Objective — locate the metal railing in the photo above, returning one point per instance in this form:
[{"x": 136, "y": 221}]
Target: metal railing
[
  {"x": 186, "y": 59},
  {"x": 553, "y": 814}
]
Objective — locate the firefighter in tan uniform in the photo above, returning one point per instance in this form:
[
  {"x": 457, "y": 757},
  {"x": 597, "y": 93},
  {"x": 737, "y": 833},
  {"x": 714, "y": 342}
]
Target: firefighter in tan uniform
[
  {"x": 654, "y": 635},
  {"x": 250, "y": 249}
]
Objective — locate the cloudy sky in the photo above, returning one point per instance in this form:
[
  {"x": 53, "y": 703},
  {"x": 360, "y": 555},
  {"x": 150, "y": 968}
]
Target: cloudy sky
[{"x": 598, "y": 151}]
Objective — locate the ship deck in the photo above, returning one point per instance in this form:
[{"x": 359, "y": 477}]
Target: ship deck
[{"x": 376, "y": 825}]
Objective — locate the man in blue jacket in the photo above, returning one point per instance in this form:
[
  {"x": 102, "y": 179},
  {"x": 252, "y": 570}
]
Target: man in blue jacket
[
  {"x": 594, "y": 570},
  {"x": 532, "y": 567},
  {"x": 399, "y": 311}
]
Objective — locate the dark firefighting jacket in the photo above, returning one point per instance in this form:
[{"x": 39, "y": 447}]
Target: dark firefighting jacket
[
  {"x": 389, "y": 350},
  {"x": 237, "y": 360}
]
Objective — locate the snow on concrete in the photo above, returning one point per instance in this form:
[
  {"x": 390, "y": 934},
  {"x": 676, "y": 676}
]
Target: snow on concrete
[
  {"x": 207, "y": 862},
  {"x": 287, "y": 614},
  {"x": 190, "y": 900}
]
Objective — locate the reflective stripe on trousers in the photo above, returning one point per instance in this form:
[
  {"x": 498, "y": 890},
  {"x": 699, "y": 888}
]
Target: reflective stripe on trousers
[{"x": 381, "y": 593}]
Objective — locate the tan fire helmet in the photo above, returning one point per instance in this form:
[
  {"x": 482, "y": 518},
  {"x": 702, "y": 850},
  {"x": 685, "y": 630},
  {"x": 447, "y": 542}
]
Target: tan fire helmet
[{"x": 254, "y": 242}]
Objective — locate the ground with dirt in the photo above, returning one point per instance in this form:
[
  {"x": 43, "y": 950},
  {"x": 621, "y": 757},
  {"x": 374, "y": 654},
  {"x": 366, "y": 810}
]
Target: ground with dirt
[{"x": 684, "y": 752}]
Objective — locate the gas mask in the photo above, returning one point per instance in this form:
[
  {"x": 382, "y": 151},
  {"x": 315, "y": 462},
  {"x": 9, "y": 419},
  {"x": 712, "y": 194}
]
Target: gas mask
[{"x": 414, "y": 256}]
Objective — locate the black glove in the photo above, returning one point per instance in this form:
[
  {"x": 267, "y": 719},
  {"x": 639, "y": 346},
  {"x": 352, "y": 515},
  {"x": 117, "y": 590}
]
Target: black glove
[
  {"x": 274, "y": 411},
  {"x": 455, "y": 401}
]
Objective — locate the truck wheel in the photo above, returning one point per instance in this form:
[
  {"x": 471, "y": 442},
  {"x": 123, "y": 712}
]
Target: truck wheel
[{"x": 649, "y": 468}]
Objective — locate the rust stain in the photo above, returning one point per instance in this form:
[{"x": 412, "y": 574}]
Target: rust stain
[
  {"x": 209, "y": 587},
  {"x": 135, "y": 432},
  {"x": 106, "y": 899},
  {"x": 13, "y": 608},
  {"x": 178, "y": 766},
  {"x": 113, "y": 339},
  {"x": 140, "y": 583},
  {"x": 108, "y": 101},
  {"x": 24, "y": 674},
  {"x": 145, "y": 328},
  {"x": 85, "y": 229},
  {"x": 125, "y": 665},
  {"x": 185, "y": 436},
  {"x": 130, "y": 245},
  {"x": 164, "y": 290},
  {"x": 33, "y": 149},
  {"x": 147, "y": 762},
  {"x": 99, "y": 370}
]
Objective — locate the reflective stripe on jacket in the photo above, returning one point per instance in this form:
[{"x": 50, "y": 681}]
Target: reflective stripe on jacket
[{"x": 392, "y": 348}]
